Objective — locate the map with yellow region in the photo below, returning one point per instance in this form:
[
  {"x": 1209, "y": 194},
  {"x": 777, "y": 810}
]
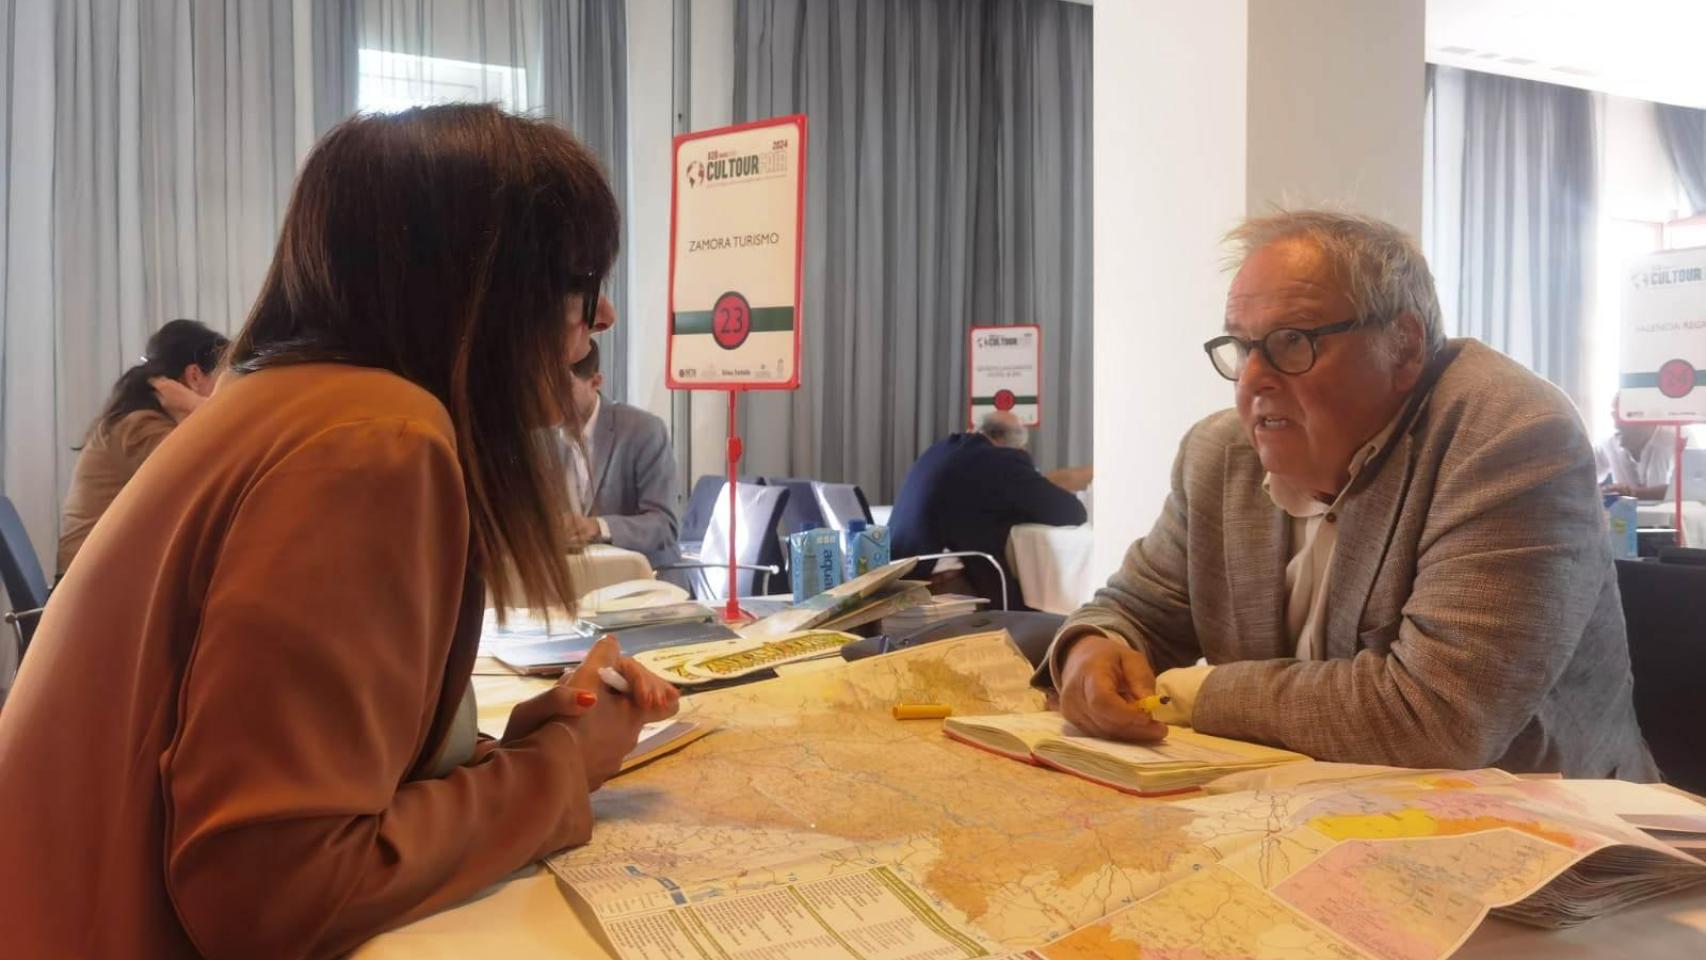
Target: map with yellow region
[
  {"x": 809, "y": 797},
  {"x": 1400, "y": 868}
]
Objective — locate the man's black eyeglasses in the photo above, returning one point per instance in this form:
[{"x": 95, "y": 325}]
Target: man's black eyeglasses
[{"x": 1290, "y": 350}]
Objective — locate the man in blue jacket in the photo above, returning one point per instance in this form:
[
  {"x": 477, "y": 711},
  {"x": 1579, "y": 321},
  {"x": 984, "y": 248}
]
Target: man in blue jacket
[{"x": 968, "y": 491}]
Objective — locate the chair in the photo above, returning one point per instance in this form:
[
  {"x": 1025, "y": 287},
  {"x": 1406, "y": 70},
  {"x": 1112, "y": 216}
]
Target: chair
[
  {"x": 840, "y": 503},
  {"x": 803, "y": 512},
  {"x": 697, "y": 518},
  {"x": 758, "y": 551},
  {"x": 21, "y": 575},
  {"x": 1664, "y": 605}
]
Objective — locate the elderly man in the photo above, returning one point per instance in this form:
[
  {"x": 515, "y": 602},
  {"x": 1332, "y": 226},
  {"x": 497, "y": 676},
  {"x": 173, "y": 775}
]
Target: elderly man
[
  {"x": 1391, "y": 552},
  {"x": 967, "y": 492}
]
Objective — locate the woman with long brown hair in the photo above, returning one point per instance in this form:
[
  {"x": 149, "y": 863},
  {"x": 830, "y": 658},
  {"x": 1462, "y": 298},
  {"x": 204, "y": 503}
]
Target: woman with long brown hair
[{"x": 244, "y": 727}]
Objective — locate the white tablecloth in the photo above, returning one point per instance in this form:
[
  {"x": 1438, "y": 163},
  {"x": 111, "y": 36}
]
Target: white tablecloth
[
  {"x": 601, "y": 565},
  {"x": 1052, "y": 565},
  {"x": 1664, "y": 515}
]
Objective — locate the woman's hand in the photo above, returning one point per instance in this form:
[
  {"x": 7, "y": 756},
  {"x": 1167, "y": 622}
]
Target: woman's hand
[
  {"x": 606, "y": 723},
  {"x": 178, "y": 400}
]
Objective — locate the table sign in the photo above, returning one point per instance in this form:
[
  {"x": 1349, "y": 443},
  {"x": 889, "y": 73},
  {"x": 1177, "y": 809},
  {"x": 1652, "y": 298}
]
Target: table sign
[
  {"x": 1662, "y": 358},
  {"x": 1005, "y": 372},
  {"x": 736, "y": 245}
]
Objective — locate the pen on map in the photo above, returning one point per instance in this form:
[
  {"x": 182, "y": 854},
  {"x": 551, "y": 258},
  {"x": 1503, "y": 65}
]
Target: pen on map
[
  {"x": 1150, "y": 703},
  {"x": 613, "y": 679},
  {"x": 922, "y": 711}
]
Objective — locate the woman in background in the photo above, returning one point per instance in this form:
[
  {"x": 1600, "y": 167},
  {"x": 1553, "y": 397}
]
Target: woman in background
[
  {"x": 149, "y": 399},
  {"x": 244, "y": 728}
]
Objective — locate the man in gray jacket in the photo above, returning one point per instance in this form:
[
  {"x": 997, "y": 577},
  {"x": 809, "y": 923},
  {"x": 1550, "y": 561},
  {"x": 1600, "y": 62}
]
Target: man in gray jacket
[
  {"x": 622, "y": 478},
  {"x": 1392, "y": 551}
]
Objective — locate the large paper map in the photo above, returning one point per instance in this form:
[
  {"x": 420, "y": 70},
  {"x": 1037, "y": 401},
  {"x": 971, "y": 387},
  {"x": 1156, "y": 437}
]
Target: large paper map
[{"x": 812, "y": 805}]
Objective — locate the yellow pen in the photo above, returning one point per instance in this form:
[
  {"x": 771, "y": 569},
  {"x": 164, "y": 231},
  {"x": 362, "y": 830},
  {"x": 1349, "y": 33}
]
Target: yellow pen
[{"x": 1150, "y": 703}]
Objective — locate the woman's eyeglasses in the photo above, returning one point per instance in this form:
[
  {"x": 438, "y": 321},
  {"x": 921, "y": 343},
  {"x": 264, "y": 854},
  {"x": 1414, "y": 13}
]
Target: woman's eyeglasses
[
  {"x": 591, "y": 290},
  {"x": 1290, "y": 350}
]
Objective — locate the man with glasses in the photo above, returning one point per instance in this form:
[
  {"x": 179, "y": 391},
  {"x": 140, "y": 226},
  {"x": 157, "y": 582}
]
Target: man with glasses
[{"x": 1391, "y": 552}]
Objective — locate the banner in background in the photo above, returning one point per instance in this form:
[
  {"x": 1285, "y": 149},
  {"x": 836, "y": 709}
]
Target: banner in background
[
  {"x": 1662, "y": 364},
  {"x": 737, "y": 218},
  {"x": 1005, "y": 372}
]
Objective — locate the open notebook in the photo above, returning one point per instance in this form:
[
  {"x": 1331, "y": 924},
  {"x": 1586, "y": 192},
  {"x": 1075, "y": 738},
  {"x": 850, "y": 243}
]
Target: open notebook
[
  {"x": 1184, "y": 761},
  {"x": 662, "y": 738}
]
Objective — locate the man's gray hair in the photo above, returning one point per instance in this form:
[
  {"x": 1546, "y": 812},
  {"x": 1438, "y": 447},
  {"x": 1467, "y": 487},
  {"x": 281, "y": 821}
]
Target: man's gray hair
[
  {"x": 1003, "y": 429},
  {"x": 1383, "y": 269}
]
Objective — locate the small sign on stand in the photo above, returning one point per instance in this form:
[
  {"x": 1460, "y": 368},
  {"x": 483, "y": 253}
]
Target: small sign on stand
[
  {"x": 1004, "y": 372},
  {"x": 1662, "y": 361},
  {"x": 736, "y": 246}
]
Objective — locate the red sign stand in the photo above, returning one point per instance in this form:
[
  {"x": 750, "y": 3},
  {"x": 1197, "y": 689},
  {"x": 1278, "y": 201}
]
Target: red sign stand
[
  {"x": 732, "y": 613},
  {"x": 1676, "y": 479}
]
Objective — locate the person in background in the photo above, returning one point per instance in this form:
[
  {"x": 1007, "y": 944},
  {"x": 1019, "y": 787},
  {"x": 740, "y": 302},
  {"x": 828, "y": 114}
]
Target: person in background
[
  {"x": 245, "y": 726},
  {"x": 967, "y": 492},
  {"x": 176, "y": 374},
  {"x": 1391, "y": 551},
  {"x": 1637, "y": 460},
  {"x": 622, "y": 476}
]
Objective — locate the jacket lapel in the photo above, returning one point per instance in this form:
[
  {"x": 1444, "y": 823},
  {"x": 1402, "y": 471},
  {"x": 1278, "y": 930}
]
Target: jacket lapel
[
  {"x": 603, "y": 447},
  {"x": 1366, "y": 520},
  {"x": 1257, "y": 542}
]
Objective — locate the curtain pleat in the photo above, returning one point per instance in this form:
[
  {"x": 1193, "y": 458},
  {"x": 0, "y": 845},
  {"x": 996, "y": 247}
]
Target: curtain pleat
[
  {"x": 1510, "y": 216},
  {"x": 948, "y": 186},
  {"x": 1683, "y": 130}
]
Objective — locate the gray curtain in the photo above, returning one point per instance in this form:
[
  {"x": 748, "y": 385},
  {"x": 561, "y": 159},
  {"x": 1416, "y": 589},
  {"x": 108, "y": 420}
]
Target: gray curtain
[
  {"x": 948, "y": 186},
  {"x": 584, "y": 87},
  {"x": 1511, "y": 191},
  {"x": 335, "y": 43},
  {"x": 1683, "y": 130},
  {"x": 147, "y": 172}
]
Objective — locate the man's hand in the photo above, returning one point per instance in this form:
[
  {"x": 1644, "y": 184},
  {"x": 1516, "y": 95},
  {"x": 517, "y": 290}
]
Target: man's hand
[
  {"x": 584, "y": 529},
  {"x": 1072, "y": 479},
  {"x": 1100, "y": 684}
]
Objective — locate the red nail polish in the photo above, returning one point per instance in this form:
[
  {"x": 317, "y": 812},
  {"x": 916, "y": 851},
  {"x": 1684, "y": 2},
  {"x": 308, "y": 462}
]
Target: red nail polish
[{"x": 585, "y": 698}]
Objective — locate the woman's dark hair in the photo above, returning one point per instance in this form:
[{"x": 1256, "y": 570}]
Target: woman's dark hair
[
  {"x": 172, "y": 348},
  {"x": 444, "y": 244}
]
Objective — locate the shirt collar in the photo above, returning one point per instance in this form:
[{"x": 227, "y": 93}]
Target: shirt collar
[
  {"x": 592, "y": 418},
  {"x": 1297, "y": 501}
]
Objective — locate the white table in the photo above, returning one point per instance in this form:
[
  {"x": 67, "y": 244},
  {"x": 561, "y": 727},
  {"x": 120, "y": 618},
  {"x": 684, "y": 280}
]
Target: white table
[
  {"x": 601, "y": 565},
  {"x": 1664, "y": 515},
  {"x": 528, "y": 917},
  {"x": 1052, "y": 565}
]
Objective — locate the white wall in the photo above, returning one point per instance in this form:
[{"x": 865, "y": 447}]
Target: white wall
[
  {"x": 1335, "y": 106},
  {"x": 1169, "y": 180},
  {"x": 712, "y": 105},
  {"x": 651, "y": 122},
  {"x": 1205, "y": 111}
]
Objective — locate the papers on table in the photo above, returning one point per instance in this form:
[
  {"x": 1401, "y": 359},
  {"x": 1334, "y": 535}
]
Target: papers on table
[{"x": 826, "y": 907}]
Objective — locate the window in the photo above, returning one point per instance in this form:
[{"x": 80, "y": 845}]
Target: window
[
  {"x": 389, "y": 81},
  {"x": 1682, "y": 234},
  {"x": 1621, "y": 241}
]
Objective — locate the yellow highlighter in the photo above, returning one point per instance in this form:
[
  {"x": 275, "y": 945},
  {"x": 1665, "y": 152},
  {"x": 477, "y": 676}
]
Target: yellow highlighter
[
  {"x": 922, "y": 711},
  {"x": 1153, "y": 702}
]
